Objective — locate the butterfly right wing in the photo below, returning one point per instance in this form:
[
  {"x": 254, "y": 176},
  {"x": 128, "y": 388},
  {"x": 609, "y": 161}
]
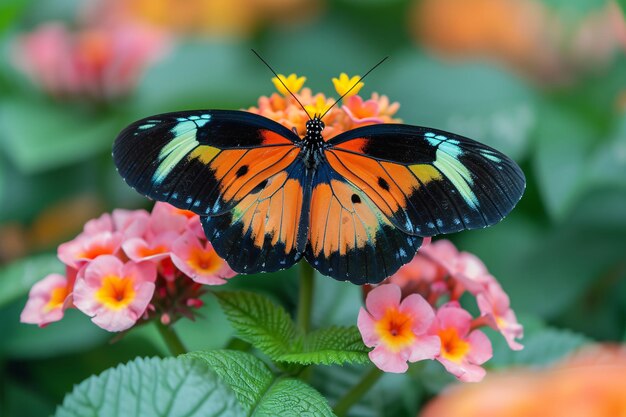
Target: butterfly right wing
[{"x": 206, "y": 161}]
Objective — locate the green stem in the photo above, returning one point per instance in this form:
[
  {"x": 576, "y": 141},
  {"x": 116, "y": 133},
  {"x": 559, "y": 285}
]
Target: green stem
[
  {"x": 305, "y": 299},
  {"x": 355, "y": 394},
  {"x": 171, "y": 339}
]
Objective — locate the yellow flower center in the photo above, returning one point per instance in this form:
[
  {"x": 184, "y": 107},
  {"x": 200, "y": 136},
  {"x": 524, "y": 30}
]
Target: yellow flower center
[
  {"x": 293, "y": 83},
  {"x": 204, "y": 261},
  {"x": 344, "y": 83},
  {"x": 453, "y": 347},
  {"x": 116, "y": 292},
  {"x": 57, "y": 297},
  {"x": 394, "y": 329}
]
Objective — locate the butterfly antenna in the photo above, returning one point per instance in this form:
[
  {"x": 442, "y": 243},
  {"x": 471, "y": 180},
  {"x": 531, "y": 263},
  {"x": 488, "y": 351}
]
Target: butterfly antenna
[
  {"x": 281, "y": 81},
  {"x": 354, "y": 85}
]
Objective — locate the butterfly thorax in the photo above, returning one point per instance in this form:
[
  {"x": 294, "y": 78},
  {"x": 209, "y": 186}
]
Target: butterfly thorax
[{"x": 313, "y": 144}]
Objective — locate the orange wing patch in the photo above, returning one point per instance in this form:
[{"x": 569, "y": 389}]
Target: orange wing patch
[
  {"x": 349, "y": 236},
  {"x": 240, "y": 171},
  {"x": 272, "y": 212},
  {"x": 388, "y": 185}
]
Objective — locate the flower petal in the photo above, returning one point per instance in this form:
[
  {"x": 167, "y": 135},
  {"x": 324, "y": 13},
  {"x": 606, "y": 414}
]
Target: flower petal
[{"x": 381, "y": 298}]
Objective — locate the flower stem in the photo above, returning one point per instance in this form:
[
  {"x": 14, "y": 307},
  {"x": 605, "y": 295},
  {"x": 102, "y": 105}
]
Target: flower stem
[
  {"x": 305, "y": 299},
  {"x": 355, "y": 394},
  {"x": 171, "y": 339}
]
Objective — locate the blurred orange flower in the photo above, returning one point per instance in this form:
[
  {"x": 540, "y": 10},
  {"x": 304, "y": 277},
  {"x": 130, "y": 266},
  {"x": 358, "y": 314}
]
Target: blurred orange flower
[
  {"x": 525, "y": 34},
  {"x": 211, "y": 17},
  {"x": 590, "y": 384}
]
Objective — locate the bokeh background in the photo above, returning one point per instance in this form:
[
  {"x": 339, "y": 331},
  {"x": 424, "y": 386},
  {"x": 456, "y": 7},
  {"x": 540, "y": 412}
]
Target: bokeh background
[{"x": 542, "y": 80}]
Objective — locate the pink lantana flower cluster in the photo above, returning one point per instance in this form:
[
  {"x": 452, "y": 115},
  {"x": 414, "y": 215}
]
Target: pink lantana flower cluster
[
  {"x": 131, "y": 266},
  {"x": 416, "y": 314}
]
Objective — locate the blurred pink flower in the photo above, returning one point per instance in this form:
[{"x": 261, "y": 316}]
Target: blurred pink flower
[
  {"x": 113, "y": 293},
  {"x": 397, "y": 330},
  {"x": 47, "y": 300},
  {"x": 199, "y": 261},
  {"x": 494, "y": 304},
  {"x": 462, "y": 350},
  {"x": 100, "y": 63}
]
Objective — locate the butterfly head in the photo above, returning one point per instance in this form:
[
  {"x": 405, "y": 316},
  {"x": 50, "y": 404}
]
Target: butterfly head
[{"x": 315, "y": 126}]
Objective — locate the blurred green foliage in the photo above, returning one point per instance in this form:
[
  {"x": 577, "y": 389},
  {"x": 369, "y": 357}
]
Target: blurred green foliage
[{"x": 561, "y": 255}]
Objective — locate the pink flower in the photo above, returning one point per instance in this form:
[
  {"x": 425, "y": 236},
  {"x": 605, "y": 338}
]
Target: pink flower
[
  {"x": 199, "y": 261},
  {"x": 98, "y": 63},
  {"x": 167, "y": 218},
  {"x": 155, "y": 249},
  {"x": 494, "y": 304},
  {"x": 465, "y": 267},
  {"x": 85, "y": 248},
  {"x": 419, "y": 276},
  {"x": 361, "y": 112},
  {"x": 114, "y": 294},
  {"x": 131, "y": 223},
  {"x": 397, "y": 330},
  {"x": 462, "y": 350},
  {"x": 47, "y": 300}
]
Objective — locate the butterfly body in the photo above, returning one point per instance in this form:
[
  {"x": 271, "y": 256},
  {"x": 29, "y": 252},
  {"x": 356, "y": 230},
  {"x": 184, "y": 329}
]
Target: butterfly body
[{"x": 356, "y": 206}]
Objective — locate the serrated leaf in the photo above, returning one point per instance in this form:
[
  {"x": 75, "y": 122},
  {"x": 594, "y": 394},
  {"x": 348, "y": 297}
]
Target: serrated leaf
[
  {"x": 260, "y": 322},
  {"x": 259, "y": 392},
  {"x": 328, "y": 346},
  {"x": 246, "y": 375},
  {"x": 169, "y": 387},
  {"x": 292, "y": 398},
  {"x": 17, "y": 277}
]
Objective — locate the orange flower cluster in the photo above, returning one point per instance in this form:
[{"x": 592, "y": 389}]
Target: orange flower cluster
[
  {"x": 528, "y": 35},
  {"x": 354, "y": 111},
  {"x": 591, "y": 384}
]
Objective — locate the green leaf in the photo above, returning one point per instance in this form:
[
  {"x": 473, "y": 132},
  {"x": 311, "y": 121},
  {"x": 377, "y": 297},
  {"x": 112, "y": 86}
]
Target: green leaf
[
  {"x": 575, "y": 8},
  {"x": 40, "y": 136},
  {"x": 563, "y": 145},
  {"x": 542, "y": 347},
  {"x": 10, "y": 10},
  {"x": 328, "y": 346},
  {"x": 260, "y": 322},
  {"x": 259, "y": 392},
  {"x": 247, "y": 376},
  {"x": 17, "y": 278},
  {"x": 607, "y": 166},
  {"x": 152, "y": 387}
]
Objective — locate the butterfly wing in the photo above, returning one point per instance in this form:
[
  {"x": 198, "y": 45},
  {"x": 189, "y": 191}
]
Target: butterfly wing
[
  {"x": 266, "y": 230},
  {"x": 426, "y": 181},
  {"x": 350, "y": 238},
  {"x": 203, "y": 161}
]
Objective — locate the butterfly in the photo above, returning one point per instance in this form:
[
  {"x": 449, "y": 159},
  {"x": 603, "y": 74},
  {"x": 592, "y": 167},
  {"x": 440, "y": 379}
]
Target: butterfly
[{"x": 356, "y": 207}]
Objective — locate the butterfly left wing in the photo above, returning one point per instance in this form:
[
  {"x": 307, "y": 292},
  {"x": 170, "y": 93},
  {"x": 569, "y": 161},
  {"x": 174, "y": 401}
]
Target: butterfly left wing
[
  {"x": 426, "y": 181},
  {"x": 266, "y": 230},
  {"x": 205, "y": 161}
]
